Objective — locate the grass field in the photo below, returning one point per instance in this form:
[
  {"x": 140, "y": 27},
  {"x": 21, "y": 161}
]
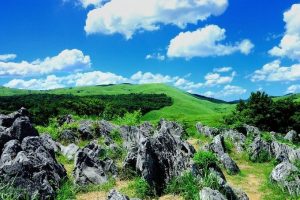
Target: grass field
[{"x": 186, "y": 108}]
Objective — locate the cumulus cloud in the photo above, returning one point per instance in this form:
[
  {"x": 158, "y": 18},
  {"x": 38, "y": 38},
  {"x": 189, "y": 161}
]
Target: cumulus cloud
[
  {"x": 205, "y": 42},
  {"x": 290, "y": 43},
  {"x": 212, "y": 79},
  {"x": 228, "y": 90},
  {"x": 222, "y": 69},
  {"x": 148, "y": 15},
  {"x": 273, "y": 71},
  {"x": 73, "y": 59},
  {"x": 293, "y": 89},
  {"x": 101, "y": 78},
  {"x": 156, "y": 56},
  {"x": 7, "y": 57}
]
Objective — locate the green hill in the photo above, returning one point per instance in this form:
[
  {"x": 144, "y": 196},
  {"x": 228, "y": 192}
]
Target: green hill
[{"x": 186, "y": 107}]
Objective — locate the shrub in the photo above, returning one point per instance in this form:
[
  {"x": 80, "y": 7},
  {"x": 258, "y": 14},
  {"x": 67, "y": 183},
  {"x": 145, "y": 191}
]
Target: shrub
[
  {"x": 263, "y": 156},
  {"x": 66, "y": 191},
  {"x": 186, "y": 185},
  {"x": 9, "y": 192},
  {"x": 141, "y": 188},
  {"x": 228, "y": 145},
  {"x": 205, "y": 159},
  {"x": 266, "y": 136},
  {"x": 130, "y": 119}
]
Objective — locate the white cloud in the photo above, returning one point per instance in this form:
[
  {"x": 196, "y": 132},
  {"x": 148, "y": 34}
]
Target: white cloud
[
  {"x": 7, "y": 57},
  {"x": 129, "y": 16},
  {"x": 273, "y": 71},
  {"x": 66, "y": 60},
  {"x": 149, "y": 77},
  {"x": 156, "y": 56},
  {"x": 222, "y": 69},
  {"x": 205, "y": 42},
  {"x": 290, "y": 43},
  {"x": 212, "y": 79},
  {"x": 293, "y": 89},
  {"x": 228, "y": 90},
  {"x": 87, "y": 3}
]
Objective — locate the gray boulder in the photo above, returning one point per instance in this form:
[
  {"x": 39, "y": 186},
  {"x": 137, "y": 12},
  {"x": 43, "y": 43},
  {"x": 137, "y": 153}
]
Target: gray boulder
[
  {"x": 173, "y": 127},
  {"x": 7, "y": 120},
  {"x": 68, "y": 136},
  {"x": 49, "y": 143},
  {"x": 160, "y": 158},
  {"x": 251, "y": 130},
  {"x": 217, "y": 145},
  {"x": 208, "y": 194},
  {"x": 259, "y": 150},
  {"x": 22, "y": 128},
  {"x": 229, "y": 164},
  {"x": 115, "y": 195},
  {"x": 236, "y": 137},
  {"x": 86, "y": 129},
  {"x": 292, "y": 136},
  {"x": 132, "y": 136},
  {"x": 69, "y": 151},
  {"x": 67, "y": 119},
  {"x": 89, "y": 169},
  {"x": 281, "y": 151},
  {"x": 207, "y": 131},
  {"x": 287, "y": 176}
]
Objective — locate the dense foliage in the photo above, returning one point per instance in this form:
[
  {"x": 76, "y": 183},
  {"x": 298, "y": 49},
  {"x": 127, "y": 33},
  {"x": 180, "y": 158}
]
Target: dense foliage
[
  {"x": 265, "y": 113},
  {"x": 45, "y": 106}
]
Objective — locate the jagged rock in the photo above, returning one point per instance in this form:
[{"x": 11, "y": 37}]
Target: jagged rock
[
  {"x": 236, "y": 137},
  {"x": 259, "y": 149},
  {"x": 207, "y": 131},
  {"x": 229, "y": 164},
  {"x": 67, "y": 119},
  {"x": 208, "y": 194},
  {"x": 104, "y": 128},
  {"x": 7, "y": 120},
  {"x": 147, "y": 129},
  {"x": 132, "y": 136},
  {"x": 294, "y": 155},
  {"x": 292, "y": 136},
  {"x": 115, "y": 195},
  {"x": 281, "y": 151},
  {"x": 287, "y": 175},
  {"x": 174, "y": 128},
  {"x": 22, "y": 128},
  {"x": 160, "y": 157},
  {"x": 69, "y": 151},
  {"x": 251, "y": 130},
  {"x": 86, "y": 129},
  {"x": 28, "y": 161},
  {"x": 89, "y": 169},
  {"x": 240, "y": 194},
  {"x": 217, "y": 145},
  {"x": 49, "y": 143},
  {"x": 68, "y": 136}
]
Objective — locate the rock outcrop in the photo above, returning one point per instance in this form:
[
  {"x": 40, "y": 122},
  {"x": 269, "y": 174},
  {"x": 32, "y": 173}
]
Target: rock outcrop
[
  {"x": 28, "y": 160},
  {"x": 287, "y": 176},
  {"x": 69, "y": 151},
  {"x": 206, "y": 130},
  {"x": 259, "y": 150},
  {"x": 160, "y": 157},
  {"x": 89, "y": 169},
  {"x": 292, "y": 136},
  {"x": 209, "y": 194}
]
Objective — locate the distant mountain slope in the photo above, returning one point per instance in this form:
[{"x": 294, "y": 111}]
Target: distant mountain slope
[{"x": 186, "y": 107}]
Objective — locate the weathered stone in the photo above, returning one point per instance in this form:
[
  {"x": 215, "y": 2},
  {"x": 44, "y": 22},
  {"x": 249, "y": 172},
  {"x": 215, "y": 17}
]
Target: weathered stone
[
  {"x": 66, "y": 119},
  {"x": 287, "y": 175},
  {"x": 115, "y": 195},
  {"x": 259, "y": 149},
  {"x": 236, "y": 137},
  {"x": 173, "y": 127},
  {"x": 86, "y": 129},
  {"x": 292, "y": 136},
  {"x": 68, "y": 136},
  {"x": 208, "y": 194},
  {"x": 207, "y": 131},
  {"x": 229, "y": 164},
  {"x": 69, "y": 151},
  {"x": 281, "y": 151},
  {"x": 49, "y": 143},
  {"x": 22, "y": 128},
  {"x": 251, "y": 130},
  {"x": 217, "y": 145}
]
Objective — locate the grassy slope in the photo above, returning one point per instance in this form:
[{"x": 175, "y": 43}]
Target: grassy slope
[{"x": 185, "y": 107}]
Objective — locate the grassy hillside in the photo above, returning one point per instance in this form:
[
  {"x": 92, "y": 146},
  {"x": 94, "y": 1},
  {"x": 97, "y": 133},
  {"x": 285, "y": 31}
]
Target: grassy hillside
[{"x": 185, "y": 106}]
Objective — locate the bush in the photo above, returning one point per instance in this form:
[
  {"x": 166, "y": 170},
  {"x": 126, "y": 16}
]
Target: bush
[
  {"x": 205, "y": 159},
  {"x": 66, "y": 191},
  {"x": 130, "y": 119},
  {"x": 263, "y": 156},
  {"x": 186, "y": 185},
  {"x": 9, "y": 192},
  {"x": 141, "y": 188}
]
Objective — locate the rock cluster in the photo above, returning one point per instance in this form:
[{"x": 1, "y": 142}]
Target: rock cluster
[
  {"x": 160, "y": 157},
  {"x": 206, "y": 130},
  {"x": 89, "y": 168},
  {"x": 27, "y": 159}
]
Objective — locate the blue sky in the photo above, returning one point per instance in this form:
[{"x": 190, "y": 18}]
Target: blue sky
[{"x": 219, "y": 48}]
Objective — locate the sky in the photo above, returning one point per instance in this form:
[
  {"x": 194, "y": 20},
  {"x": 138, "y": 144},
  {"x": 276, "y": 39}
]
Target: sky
[{"x": 219, "y": 48}]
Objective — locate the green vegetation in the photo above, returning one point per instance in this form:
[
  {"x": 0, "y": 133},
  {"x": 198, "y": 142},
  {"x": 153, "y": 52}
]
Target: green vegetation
[
  {"x": 9, "y": 192},
  {"x": 66, "y": 191},
  {"x": 46, "y": 106},
  {"x": 265, "y": 113},
  {"x": 186, "y": 186},
  {"x": 205, "y": 159},
  {"x": 140, "y": 188},
  {"x": 185, "y": 108}
]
